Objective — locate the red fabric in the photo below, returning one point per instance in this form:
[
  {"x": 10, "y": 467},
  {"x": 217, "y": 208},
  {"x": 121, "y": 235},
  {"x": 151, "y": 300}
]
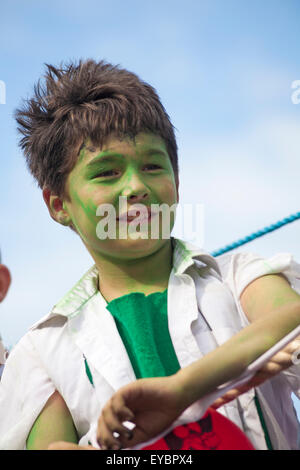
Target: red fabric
[{"x": 212, "y": 432}]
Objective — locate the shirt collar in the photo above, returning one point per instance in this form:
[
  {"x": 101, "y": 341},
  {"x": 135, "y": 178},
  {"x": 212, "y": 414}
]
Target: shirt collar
[{"x": 184, "y": 256}]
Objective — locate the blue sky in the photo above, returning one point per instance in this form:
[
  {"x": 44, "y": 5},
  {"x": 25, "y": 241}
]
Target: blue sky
[{"x": 223, "y": 70}]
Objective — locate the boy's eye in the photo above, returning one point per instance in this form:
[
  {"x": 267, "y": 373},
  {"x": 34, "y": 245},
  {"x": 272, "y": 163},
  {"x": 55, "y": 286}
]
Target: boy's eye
[
  {"x": 153, "y": 165},
  {"x": 109, "y": 173},
  {"x": 106, "y": 173}
]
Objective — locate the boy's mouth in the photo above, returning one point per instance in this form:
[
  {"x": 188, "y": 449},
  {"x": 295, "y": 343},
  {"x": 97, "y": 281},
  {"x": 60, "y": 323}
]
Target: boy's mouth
[{"x": 142, "y": 215}]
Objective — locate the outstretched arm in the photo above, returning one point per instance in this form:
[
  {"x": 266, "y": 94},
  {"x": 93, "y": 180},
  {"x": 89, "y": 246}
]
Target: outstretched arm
[
  {"x": 278, "y": 363},
  {"x": 261, "y": 298}
]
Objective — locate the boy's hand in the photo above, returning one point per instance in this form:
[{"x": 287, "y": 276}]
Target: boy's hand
[
  {"x": 152, "y": 405},
  {"x": 281, "y": 361}
]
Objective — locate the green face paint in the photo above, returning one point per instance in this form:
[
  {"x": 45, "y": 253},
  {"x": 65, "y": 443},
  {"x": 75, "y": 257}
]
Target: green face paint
[{"x": 139, "y": 170}]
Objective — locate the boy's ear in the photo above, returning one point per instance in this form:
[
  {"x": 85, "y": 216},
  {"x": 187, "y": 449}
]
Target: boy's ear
[
  {"x": 56, "y": 207},
  {"x": 5, "y": 280}
]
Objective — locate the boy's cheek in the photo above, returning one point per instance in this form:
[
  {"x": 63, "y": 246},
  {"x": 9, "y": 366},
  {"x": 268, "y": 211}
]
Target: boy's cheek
[
  {"x": 84, "y": 219},
  {"x": 169, "y": 194}
]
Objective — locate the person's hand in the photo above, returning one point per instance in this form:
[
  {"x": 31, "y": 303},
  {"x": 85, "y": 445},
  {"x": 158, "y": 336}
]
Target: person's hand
[
  {"x": 62, "y": 445},
  {"x": 281, "y": 361},
  {"x": 151, "y": 404}
]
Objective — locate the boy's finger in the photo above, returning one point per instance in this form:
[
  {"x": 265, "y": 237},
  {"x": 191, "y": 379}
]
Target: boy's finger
[
  {"x": 293, "y": 345},
  {"x": 274, "y": 367},
  {"x": 120, "y": 409},
  {"x": 105, "y": 437},
  {"x": 113, "y": 425}
]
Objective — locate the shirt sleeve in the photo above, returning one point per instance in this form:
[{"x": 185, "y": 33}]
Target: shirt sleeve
[
  {"x": 240, "y": 269},
  {"x": 24, "y": 390}
]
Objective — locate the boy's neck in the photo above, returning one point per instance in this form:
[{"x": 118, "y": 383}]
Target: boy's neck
[{"x": 149, "y": 274}]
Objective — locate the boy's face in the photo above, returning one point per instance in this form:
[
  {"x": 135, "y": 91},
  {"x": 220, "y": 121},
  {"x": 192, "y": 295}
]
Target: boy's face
[{"x": 139, "y": 170}]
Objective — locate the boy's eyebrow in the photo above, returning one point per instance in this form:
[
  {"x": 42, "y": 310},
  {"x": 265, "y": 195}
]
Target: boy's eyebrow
[
  {"x": 110, "y": 155},
  {"x": 103, "y": 157}
]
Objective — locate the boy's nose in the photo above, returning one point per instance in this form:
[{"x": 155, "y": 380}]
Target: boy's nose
[
  {"x": 135, "y": 196},
  {"x": 135, "y": 190}
]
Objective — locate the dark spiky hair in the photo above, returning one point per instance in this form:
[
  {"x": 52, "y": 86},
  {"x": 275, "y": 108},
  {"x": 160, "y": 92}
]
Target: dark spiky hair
[{"x": 83, "y": 100}]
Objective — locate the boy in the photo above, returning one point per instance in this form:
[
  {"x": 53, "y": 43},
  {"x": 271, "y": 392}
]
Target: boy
[{"x": 94, "y": 134}]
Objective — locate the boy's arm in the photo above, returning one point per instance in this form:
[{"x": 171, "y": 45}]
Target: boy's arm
[
  {"x": 267, "y": 294},
  {"x": 273, "y": 308},
  {"x": 54, "y": 423},
  {"x": 262, "y": 297}
]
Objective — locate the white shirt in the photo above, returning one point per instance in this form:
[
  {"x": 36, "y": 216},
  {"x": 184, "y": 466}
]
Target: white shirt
[{"x": 203, "y": 312}]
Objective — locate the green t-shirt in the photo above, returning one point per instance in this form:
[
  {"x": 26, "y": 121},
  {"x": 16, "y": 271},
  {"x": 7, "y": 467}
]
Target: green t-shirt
[{"x": 142, "y": 322}]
